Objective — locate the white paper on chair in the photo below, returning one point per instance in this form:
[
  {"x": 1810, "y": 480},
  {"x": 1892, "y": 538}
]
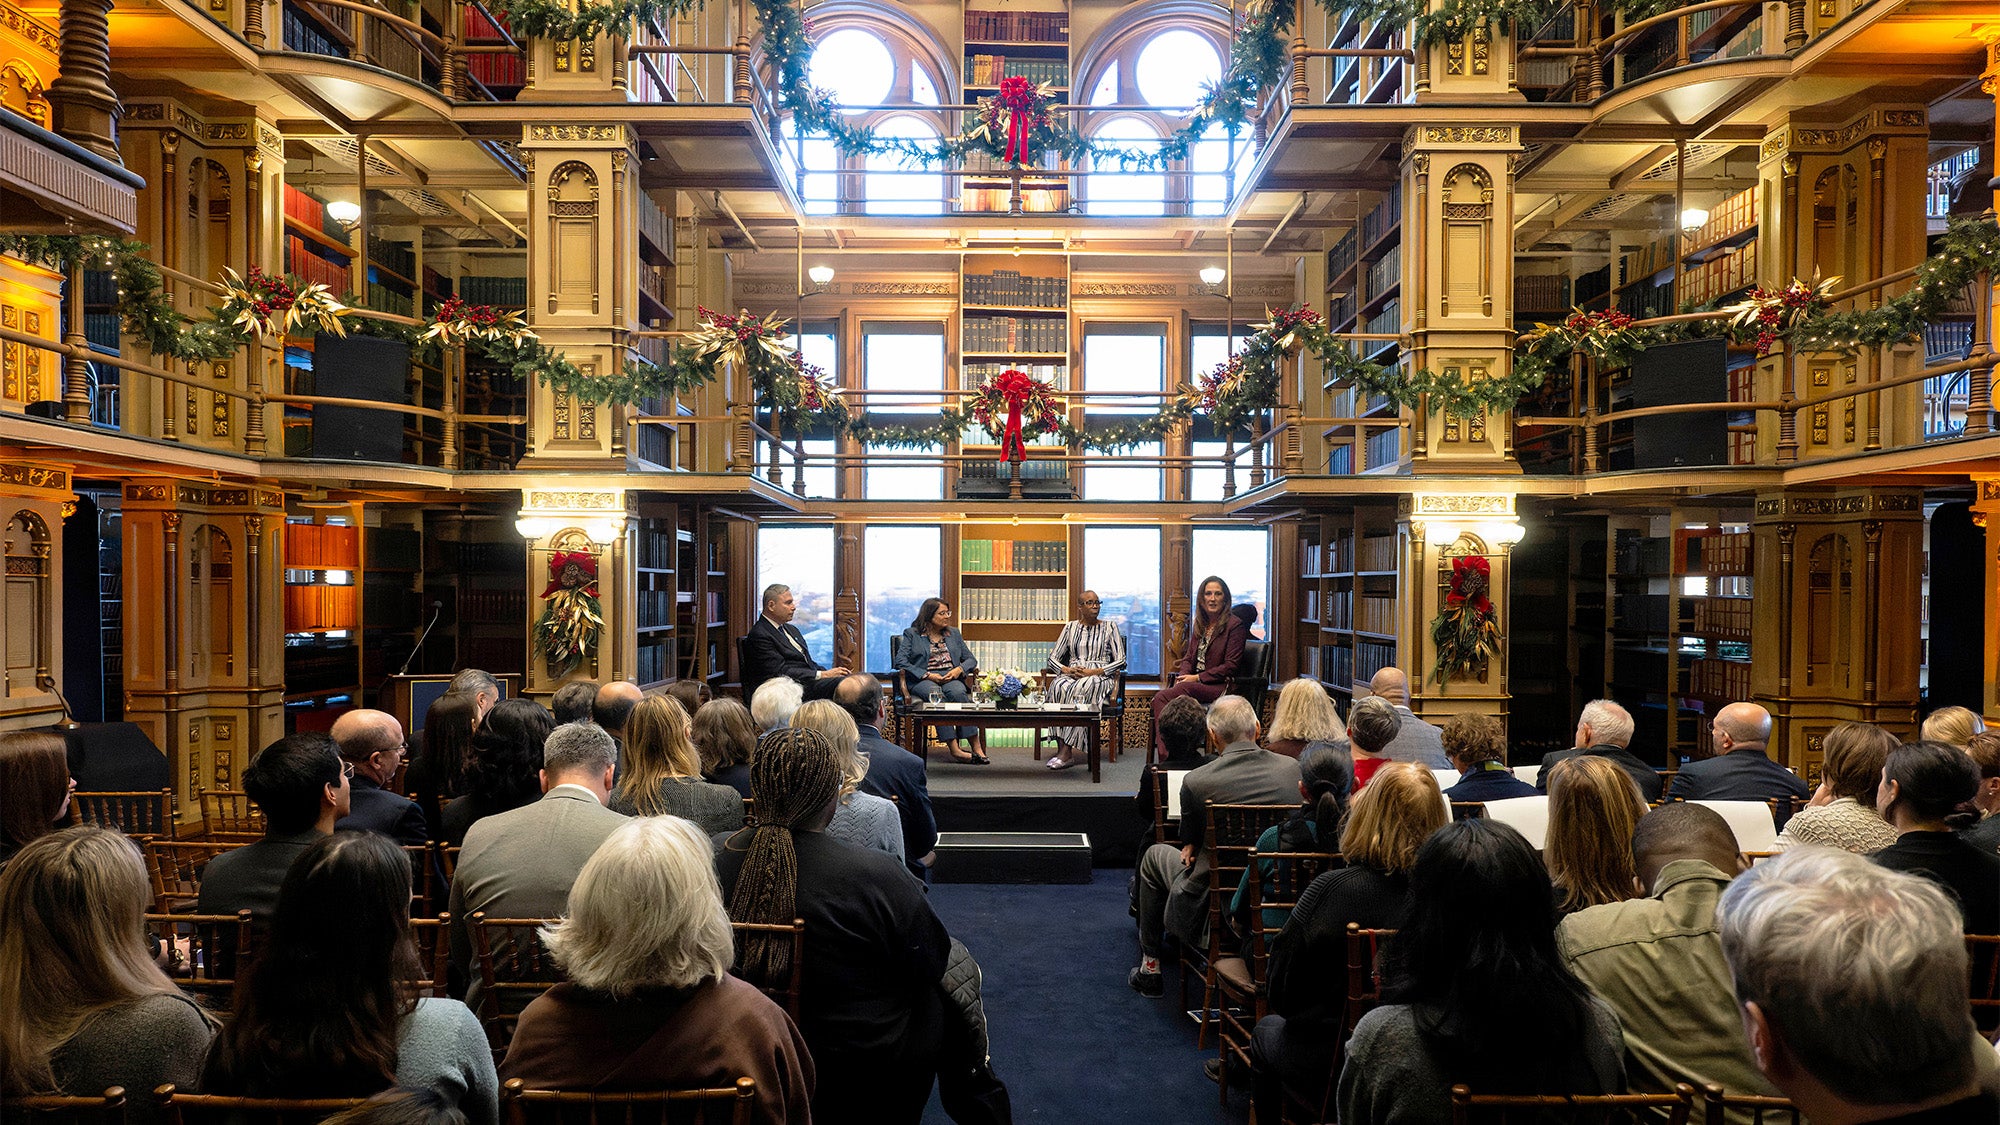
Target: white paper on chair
[
  {"x": 1749, "y": 820},
  {"x": 1527, "y": 815},
  {"x": 1527, "y": 773},
  {"x": 1174, "y": 792}
]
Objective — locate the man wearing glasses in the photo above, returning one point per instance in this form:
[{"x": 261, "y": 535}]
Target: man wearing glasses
[{"x": 372, "y": 748}]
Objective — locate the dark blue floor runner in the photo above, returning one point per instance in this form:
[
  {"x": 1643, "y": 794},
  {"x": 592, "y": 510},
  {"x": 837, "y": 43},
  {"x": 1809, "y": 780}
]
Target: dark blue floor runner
[{"x": 1074, "y": 1044}]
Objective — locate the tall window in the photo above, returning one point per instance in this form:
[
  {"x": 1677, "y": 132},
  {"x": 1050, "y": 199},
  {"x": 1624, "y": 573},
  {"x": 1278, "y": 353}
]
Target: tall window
[
  {"x": 1123, "y": 565},
  {"x": 900, "y": 356},
  {"x": 802, "y": 558},
  {"x": 891, "y": 188},
  {"x": 1109, "y": 190},
  {"x": 822, "y": 350},
  {"x": 813, "y": 163},
  {"x": 904, "y": 566},
  {"x": 1206, "y": 349},
  {"x": 1123, "y": 358},
  {"x": 1162, "y": 64},
  {"x": 1240, "y": 556},
  {"x": 877, "y": 68}
]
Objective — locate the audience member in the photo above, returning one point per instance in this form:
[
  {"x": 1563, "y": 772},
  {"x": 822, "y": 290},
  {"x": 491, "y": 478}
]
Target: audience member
[
  {"x": 1593, "y": 811},
  {"x": 438, "y": 774},
  {"x": 1984, "y": 749},
  {"x": 83, "y": 1007},
  {"x": 1326, "y": 781},
  {"x": 1086, "y": 663},
  {"x": 1741, "y": 769},
  {"x": 1477, "y": 747},
  {"x": 1842, "y": 813},
  {"x": 503, "y": 771},
  {"x": 372, "y": 745},
  {"x": 1296, "y": 1045},
  {"x": 648, "y": 1002},
  {"x": 725, "y": 738},
  {"x": 873, "y": 1013},
  {"x": 772, "y": 704},
  {"x": 1416, "y": 740},
  {"x": 482, "y": 687},
  {"x": 862, "y": 819},
  {"x": 1657, "y": 960},
  {"x": 1305, "y": 716},
  {"x": 774, "y": 647},
  {"x": 301, "y": 786},
  {"x": 1170, "y": 893},
  {"x": 1851, "y": 981},
  {"x": 612, "y": 709},
  {"x": 1953, "y": 726},
  {"x": 1184, "y": 733},
  {"x": 1604, "y": 730},
  {"x": 402, "y": 1105},
  {"x": 893, "y": 772},
  {"x": 936, "y": 666},
  {"x": 692, "y": 695},
  {"x": 1474, "y": 991},
  {"x": 1372, "y": 724},
  {"x": 1215, "y": 643},
  {"x": 663, "y": 773},
  {"x": 1926, "y": 793},
  {"x": 329, "y": 1010},
  {"x": 573, "y": 701},
  {"x": 34, "y": 787},
  {"x": 521, "y": 864}
]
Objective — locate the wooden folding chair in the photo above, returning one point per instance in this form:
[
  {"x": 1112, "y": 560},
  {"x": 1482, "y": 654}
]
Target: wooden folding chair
[
  {"x": 522, "y": 1106},
  {"x": 514, "y": 968},
  {"x": 448, "y": 863},
  {"x": 1467, "y": 1107},
  {"x": 1277, "y": 879},
  {"x": 177, "y": 867},
  {"x": 1229, "y": 836},
  {"x": 427, "y": 888},
  {"x": 229, "y": 811},
  {"x": 1752, "y": 1109},
  {"x": 433, "y": 940},
  {"x": 1985, "y": 984},
  {"x": 206, "y": 953},
  {"x": 107, "y": 1108},
  {"x": 176, "y": 1108},
  {"x": 141, "y": 814},
  {"x": 786, "y": 995}
]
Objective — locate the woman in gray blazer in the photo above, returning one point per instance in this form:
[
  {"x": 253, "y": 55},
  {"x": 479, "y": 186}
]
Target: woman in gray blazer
[{"x": 936, "y": 664}]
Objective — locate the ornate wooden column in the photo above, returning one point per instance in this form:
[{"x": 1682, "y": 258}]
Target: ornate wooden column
[
  {"x": 1434, "y": 528},
  {"x": 86, "y": 107},
  {"x": 1986, "y": 512},
  {"x": 597, "y": 521},
  {"x": 34, "y": 499},
  {"x": 848, "y": 579}
]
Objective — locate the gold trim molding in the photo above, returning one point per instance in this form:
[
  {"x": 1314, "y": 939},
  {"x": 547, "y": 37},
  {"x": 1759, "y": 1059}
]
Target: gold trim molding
[{"x": 49, "y": 480}]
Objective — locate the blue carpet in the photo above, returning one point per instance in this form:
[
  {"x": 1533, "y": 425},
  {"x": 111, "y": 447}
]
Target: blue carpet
[{"x": 1074, "y": 1044}]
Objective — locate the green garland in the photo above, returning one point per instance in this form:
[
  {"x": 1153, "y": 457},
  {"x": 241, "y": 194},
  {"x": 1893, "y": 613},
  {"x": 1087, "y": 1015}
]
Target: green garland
[{"x": 143, "y": 305}]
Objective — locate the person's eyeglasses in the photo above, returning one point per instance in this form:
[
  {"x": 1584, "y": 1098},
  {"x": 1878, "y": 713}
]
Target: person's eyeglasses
[
  {"x": 1092, "y": 601},
  {"x": 346, "y": 768}
]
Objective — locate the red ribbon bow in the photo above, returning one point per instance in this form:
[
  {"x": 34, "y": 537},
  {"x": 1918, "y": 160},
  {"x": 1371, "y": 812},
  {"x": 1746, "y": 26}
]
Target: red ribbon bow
[
  {"x": 1014, "y": 387},
  {"x": 583, "y": 577},
  {"x": 1459, "y": 568},
  {"x": 1017, "y": 96}
]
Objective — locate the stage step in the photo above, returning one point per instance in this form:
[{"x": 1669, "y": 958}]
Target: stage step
[{"x": 1012, "y": 857}]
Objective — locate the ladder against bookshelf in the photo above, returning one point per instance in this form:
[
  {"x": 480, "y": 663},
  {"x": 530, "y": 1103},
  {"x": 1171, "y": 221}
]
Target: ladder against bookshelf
[{"x": 1013, "y": 591}]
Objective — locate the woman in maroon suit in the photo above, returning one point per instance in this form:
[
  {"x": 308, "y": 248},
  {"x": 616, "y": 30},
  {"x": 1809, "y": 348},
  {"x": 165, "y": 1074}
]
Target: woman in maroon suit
[{"x": 1214, "y": 649}]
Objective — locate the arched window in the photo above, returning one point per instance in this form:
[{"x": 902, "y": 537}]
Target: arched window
[
  {"x": 1163, "y": 56},
  {"x": 876, "y": 61},
  {"x": 901, "y": 190},
  {"x": 1175, "y": 67}
]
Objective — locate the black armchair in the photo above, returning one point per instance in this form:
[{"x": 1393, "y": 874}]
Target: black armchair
[{"x": 1253, "y": 677}]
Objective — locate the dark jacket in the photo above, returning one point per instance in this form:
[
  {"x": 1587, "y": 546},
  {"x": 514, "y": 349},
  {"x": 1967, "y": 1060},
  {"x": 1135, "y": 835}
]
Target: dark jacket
[
  {"x": 1966, "y": 873},
  {"x": 896, "y": 773},
  {"x": 916, "y": 654},
  {"x": 372, "y": 808},
  {"x": 771, "y": 651},
  {"x": 1645, "y": 776},
  {"x": 1745, "y": 774},
  {"x": 1493, "y": 785},
  {"x": 1225, "y": 652},
  {"x": 247, "y": 878}
]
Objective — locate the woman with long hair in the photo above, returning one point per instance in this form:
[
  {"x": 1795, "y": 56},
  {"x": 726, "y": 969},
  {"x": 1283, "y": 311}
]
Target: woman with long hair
[
  {"x": 503, "y": 771},
  {"x": 34, "y": 787},
  {"x": 1927, "y": 792},
  {"x": 1326, "y": 782},
  {"x": 1594, "y": 807},
  {"x": 872, "y": 1012},
  {"x": 648, "y": 1002},
  {"x": 329, "y": 1007},
  {"x": 1842, "y": 813},
  {"x": 1477, "y": 747},
  {"x": 936, "y": 665},
  {"x": 663, "y": 773},
  {"x": 725, "y": 738},
  {"x": 1475, "y": 991},
  {"x": 1953, "y": 726},
  {"x": 1215, "y": 643},
  {"x": 83, "y": 1006},
  {"x": 439, "y": 774},
  {"x": 1306, "y": 716},
  {"x": 862, "y": 818}
]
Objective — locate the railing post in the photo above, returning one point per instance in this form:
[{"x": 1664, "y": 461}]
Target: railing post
[
  {"x": 741, "y": 92},
  {"x": 76, "y": 369},
  {"x": 1256, "y": 452},
  {"x": 1593, "y": 62},
  {"x": 453, "y": 79},
  {"x": 799, "y": 462},
  {"x": 253, "y": 23},
  {"x": 1979, "y": 380},
  {"x": 1229, "y": 465},
  {"x": 1299, "y": 91},
  {"x": 255, "y": 441},
  {"x": 1795, "y": 24},
  {"x": 1788, "y": 415},
  {"x": 454, "y": 371},
  {"x": 740, "y": 458}
]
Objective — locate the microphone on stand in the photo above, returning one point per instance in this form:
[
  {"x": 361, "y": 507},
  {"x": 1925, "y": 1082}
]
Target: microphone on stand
[{"x": 437, "y": 610}]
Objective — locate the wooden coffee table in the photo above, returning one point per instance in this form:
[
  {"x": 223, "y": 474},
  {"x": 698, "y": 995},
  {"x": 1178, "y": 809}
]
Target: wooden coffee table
[{"x": 987, "y": 716}]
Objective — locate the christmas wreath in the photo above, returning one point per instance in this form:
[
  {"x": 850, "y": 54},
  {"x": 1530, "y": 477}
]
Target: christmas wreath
[
  {"x": 1465, "y": 631},
  {"x": 1025, "y": 406},
  {"x": 571, "y": 621}
]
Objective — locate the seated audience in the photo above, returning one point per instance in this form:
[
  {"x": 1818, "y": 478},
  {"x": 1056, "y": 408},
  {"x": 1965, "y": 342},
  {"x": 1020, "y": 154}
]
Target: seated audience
[
  {"x": 663, "y": 773},
  {"x": 1416, "y": 740},
  {"x": 1953, "y": 726},
  {"x": 772, "y": 705},
  {"x": 1477, "y": 747},
  {"x": 1657, "y": 961},
  {"x": 1306, "y": 717},
  {"x": 1926, "y": 792},
  {"x": 725, "y": 738},
  {"x": 1851, "y": 982},
  {"x": 1985, "y": 751},
  {"x": 692, "y": 695},
  {"x": 438, "y": 774},
  {"x": 893, "y": 772},
  {"x": 871, "y": 1009},
  {"x": 1474, "y": 992},
  {"x": 83, "y": 1006},
  {"x": 1372, "y": 724},
  {"x": 572, "y": 702},
  {"x": 1184, "y": 733},
  {"x": 936, "y": 666},
  {"x": 862, "y": 819},
  {"x": 372, "y": 746},
  {"x": 1326, "y": 781},
  {"x": 402, "y": 1105},
  {"x": 34, "y": 787},
  {"x": 1387, "y": 823},
  {"x": 503, "y": 771},
  {"x": 612, "y": 710},
  {"x": 1842, "y": 813},
  {"x": 1215, "y": 643},
  {"x": 1593, "y": 811},
  {"x": 1741, "y": 769},
  {"x": 1087, "y": 658},
  {"x": 1170, "y": 893},
  {"x": 329, "y": 1007},
  {"x": 301, "y": 786},
  {"x": 1604, "y": 730},
  {"x": 648, "y": 1003}
]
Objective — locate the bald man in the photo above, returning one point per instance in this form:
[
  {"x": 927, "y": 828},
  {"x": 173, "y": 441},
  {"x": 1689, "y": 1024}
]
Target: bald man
[
  {"x": 1742, "y": 769},
  {"x": 1416, "y": 740},
  {"x": 372, "y": 742}
]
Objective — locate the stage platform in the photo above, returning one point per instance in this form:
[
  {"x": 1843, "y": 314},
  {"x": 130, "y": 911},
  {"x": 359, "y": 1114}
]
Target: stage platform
[{"x": 1018, "y": 794}]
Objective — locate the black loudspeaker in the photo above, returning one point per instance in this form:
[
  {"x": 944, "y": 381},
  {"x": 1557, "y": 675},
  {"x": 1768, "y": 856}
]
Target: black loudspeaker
[
  {"x": 49, "y": 408},
  {"x": 115, "y": 758},
  {"x": 364, "y": 367},
  {"x": 1666, "y": 374},
  {"x": 1958, "y": 580}
]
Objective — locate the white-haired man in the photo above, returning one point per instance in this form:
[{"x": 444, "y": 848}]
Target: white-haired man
[{"x": 1604, "y": 730}]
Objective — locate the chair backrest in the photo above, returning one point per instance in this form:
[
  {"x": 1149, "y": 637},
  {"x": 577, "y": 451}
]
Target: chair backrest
[
  {"x": 1751, "y": 1109},
  {"x": 522, "y": 1106},
  {"x": 433, "y": 940},
  {"x": 427, "y": 885},
  {"x": 1229, "y": 837},
  {"x": 1754, "y": 822},
  {"x": 448, "y": 861},
  {"x": 177, "y": 867},
  {"x": 177, "y": 1108},
  {"x": 787, "y": 995},
  {"x": 1527, "y": 815},
  {"x": 229, "y": 810},
  {"x": 143, "y": 813},
  {"x": 514, "y": 968},
  {"x": 1985, "y": 990},
  {"x": 1364, "y": 971},
  {"x": 1277, "y": 879},
  {"x": 107, "y": 1108},
  {"x": 1445, "y": 778},
  {"x": 1674, "y": 1108},
  {"x": 1253, "y": 677},
  {"x": 206, "y": 953},
  {"x": 1527, "y": 773},
  {"x": 1468, "y": 810}
]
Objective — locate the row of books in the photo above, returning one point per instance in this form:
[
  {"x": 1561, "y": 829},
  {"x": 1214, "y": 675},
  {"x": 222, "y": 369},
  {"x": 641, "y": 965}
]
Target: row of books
[
  {"x": 1016, "y": 27},
  {"x": 1014, "y": 605},
  {"x": 655, "y": 224},
  {"x": 384, "y": 298},
  {"x": 1021, "y": 334},
  {"x": 1720, "y": 276},
  {"x": 322, "y": 546},
  {"x": 1723, "y": 679},
  {"x": 988, "y": 70},
  {"x": 317, "y": 609},
  {"x": 1724, "y": 553},
  {"x": 1055, "y": 374},
  {"x": 1011, "y": 287},
  {"x": 306, "y": 211},
  {"x": 395, "y": 256},
  {"x": 1723, "y": 618},
  {"x": 1387, "y": 271},
  {"x": 498, "y": 70},
  {"x": 657, "y": 282},
  {"x": 1542, "y": 293},
  {"x": 1377, "y": 222},
  {"x": 507, "y": 292},
  {"x": 1013, "y": 556},
  {"x": 304, "y": 259},
  {"x": 1029, "y": 656}
]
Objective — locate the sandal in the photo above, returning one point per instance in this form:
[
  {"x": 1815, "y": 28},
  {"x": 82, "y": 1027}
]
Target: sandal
[
  {"x": 1063, "y": 763},
  {"x": 964, "y": 757}
]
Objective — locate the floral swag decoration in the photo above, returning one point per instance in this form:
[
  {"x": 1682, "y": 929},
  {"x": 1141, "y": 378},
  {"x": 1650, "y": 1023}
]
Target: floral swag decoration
[
  {"x": 570, "y": 623},
  {"x": 276, "y": 306},
  {"x": 1025, "y": 406},
  {"x": 1465, "y": 632}
]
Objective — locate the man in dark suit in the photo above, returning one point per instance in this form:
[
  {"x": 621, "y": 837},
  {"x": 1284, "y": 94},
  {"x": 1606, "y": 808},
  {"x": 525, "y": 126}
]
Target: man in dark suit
[
  {"x": 372, "y": 743},
  {"x": 892, "y": 771},
  {"x": 300, "y": 784},
  {"x": 774, "y": 648},
  {"x": 1171, "y": 891},
  {"x": 1605, "y": 730},
  {"x": 1741, "y": 769}
]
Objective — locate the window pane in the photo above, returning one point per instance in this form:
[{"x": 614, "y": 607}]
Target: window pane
[
  {"x": 904, "y": 358},
  {"x": 855, "y": 66},
  {"x": 1175, "y": 67},
  {"x": 1209, "y": 160},
  {"x": 820, "y": 188},
  {"x": 1205, "y": 352},
  {"x": 1122, "y": 564},
  {"x": 1106, "y": 91},
  {"x": 922, "y": 90},
  {"x": 904, "y": 566},
  {"x": 893, "y": 189},
  {"x": 1110, "y": 191},
  {"x": 802, "y": 558},
  {"x": 1124, "y": 358},
  {"x": 820, "y": 350},
  {"x": 1240, "y": 556}
]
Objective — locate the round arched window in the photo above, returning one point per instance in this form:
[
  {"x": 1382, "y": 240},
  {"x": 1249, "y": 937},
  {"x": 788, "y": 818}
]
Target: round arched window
[
  {"x": 856, "y": 66},
  {"x": 1175, "y": 67}
]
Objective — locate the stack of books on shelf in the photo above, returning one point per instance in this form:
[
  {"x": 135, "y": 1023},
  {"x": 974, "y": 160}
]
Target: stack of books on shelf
[
  {"x": 1016, "y": 27},
  {"x": 988, "y": 70},
  {"x": 1029, "y": 656},
  {"x": 1013, "y": 556},
  {"x": 1015, "y": 605},
  {"x": 1052, "y": 373},
  {"x": 491, "y": 69},
  {"x": 1541, "y": 293},
  {"x": 322, "y": 546},
  {"x": 1011, "y": 287},
  {"x": 506, "y": 292},
  {"x": 1723, "y": 619},
  {"x": 1377, "y": 222},
  {"x": 1016, "y": 334}
]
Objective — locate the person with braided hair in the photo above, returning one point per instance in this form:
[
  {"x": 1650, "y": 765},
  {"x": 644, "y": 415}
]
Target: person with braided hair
[{"x": 870, "y": 1010}]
